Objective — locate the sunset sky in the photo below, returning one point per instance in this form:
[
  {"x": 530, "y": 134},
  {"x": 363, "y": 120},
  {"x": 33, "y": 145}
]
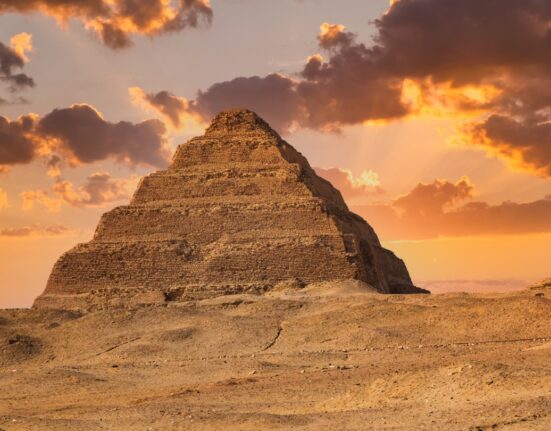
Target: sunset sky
[{"x": 433, "y": 118}]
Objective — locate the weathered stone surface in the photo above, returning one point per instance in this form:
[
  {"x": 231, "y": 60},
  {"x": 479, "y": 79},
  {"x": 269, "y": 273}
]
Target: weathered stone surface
[
  {"x": 239, "y": 210},
  {"x": 544, "y": 284}
]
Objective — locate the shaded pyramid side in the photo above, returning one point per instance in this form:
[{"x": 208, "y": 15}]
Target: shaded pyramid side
[{"x": 239, "y": 210}]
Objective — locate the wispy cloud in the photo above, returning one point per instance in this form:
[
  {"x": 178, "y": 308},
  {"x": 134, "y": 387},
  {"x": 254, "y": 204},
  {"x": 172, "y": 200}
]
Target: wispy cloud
[{"x": 35, "y": 230}]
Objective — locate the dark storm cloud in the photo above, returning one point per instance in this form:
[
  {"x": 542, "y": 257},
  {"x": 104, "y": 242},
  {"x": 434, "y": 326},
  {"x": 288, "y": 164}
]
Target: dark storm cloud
[
  {"x": 116, "y": 21},
  {"x": 81, "y": 135},
  {"x": 273, "y": 97}
]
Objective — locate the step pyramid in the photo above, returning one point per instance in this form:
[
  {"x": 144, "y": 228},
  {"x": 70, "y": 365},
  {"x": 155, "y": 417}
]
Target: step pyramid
[{"x": 238, "y": 211}]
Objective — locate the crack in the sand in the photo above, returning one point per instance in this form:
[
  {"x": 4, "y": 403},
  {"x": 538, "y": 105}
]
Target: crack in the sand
[
  {"x": 117, "y": 346},
  {"x": 279, "y": 329},
  {"x": 498, "y": 425}
]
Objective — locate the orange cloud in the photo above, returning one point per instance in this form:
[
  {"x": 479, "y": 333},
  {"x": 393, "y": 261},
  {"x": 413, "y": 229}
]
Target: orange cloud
[
  {"x": 4, "y": 203},
  {"x": 334, "y": 35},
  {"x": 99, "y": 189},
  {"x": 116, "y": 21},
  {"x": 524, "y": 143},
  {"x": 31, "y": 198},
  {"x": 429, "y": 99},
  {"x": 176, "y": 110},
  {"x": 21, "y": 44},
  {"x": 54, "y": 166}
]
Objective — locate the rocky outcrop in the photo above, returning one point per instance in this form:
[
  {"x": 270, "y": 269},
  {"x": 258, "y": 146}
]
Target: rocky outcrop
[
  {"x": 544, "y": 284},
  {"x": 238, "y": 211}
]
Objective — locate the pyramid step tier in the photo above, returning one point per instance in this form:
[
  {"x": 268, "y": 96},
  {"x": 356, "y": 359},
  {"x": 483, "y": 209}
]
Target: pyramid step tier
[
  {"x": 204, "y": 223},
  {"x": 174, "y": 264}
]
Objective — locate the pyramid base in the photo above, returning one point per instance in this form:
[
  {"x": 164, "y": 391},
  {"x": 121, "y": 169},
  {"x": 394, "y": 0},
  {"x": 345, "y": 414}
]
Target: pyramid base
[{"x": 101, "y": 299}]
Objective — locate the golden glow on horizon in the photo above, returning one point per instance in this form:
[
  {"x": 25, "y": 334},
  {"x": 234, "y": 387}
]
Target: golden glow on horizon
[
  {"x": 476, "y": 257},
  {"x": 469, "y": 258},
  {"x": 18, "y": 285}
]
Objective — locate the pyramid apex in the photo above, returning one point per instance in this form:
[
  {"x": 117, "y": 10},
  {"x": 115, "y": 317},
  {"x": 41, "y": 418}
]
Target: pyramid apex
[{"x": 239, "y": 121}]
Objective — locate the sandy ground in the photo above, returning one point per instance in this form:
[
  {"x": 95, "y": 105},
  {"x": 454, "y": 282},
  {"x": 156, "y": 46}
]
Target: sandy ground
[{"x": 324, "y": 358}]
